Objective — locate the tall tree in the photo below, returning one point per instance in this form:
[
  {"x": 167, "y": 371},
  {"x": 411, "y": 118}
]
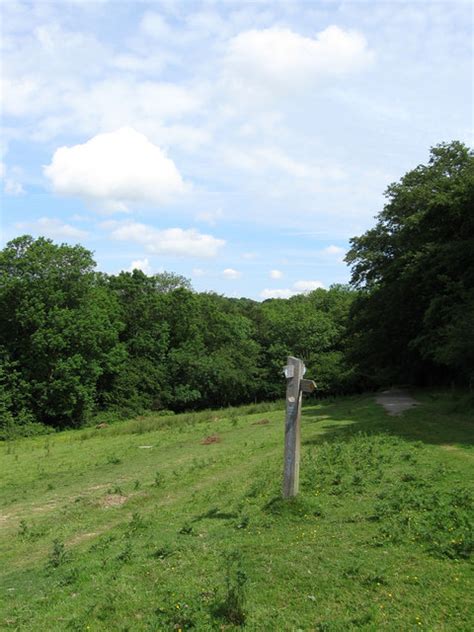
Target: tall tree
[
  {"x": 58, "y": 328},
  {"x": 416, "y": 270}
]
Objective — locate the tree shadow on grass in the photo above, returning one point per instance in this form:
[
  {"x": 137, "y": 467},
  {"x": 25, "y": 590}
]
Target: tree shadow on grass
[{"x": 437, "y": 420}]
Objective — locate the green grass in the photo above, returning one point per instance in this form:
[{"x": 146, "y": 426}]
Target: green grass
[{"x": 140, "y": 526}]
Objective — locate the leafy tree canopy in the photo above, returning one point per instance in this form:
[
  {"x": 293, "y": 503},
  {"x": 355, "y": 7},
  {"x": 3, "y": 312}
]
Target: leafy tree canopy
[{"x": 416, "y": 267}]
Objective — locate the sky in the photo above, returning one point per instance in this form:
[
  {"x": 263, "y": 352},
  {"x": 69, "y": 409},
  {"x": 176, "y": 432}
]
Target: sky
[{"x": 240, "y": 144}]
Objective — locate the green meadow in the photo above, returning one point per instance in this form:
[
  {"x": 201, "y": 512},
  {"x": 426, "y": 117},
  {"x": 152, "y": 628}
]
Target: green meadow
[{"x": 177, "y": 522}]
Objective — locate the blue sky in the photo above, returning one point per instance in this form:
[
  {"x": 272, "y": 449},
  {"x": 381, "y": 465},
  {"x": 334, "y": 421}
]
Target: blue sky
[{"x": 240, "y": 144}]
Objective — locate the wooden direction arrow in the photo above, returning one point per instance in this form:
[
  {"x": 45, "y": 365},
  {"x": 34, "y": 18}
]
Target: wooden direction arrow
[{"x": 308, "y": 386}]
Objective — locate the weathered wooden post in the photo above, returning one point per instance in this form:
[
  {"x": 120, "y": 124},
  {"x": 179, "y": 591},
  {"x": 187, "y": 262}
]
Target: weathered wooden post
[{"x": 295, "y": 386}]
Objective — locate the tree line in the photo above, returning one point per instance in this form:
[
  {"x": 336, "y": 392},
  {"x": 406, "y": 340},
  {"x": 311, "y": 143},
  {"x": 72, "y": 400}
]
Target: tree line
[{"x": 74, "y": 341}]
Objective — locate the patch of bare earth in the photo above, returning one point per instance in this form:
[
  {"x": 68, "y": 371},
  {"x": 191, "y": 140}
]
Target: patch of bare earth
[
  {"x": 113, "y": 500},
  {"x": 94, "y": 487},
  {"x": 261, "y": 422},
  {"x": 51, "y": 504},
  {"x": 82, "y": 537},
  {"x": 215, "y": 438}
]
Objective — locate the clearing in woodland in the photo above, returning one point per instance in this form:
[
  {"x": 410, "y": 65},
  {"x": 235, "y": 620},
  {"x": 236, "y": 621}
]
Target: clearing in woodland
[{"x": 99, "y": 533}]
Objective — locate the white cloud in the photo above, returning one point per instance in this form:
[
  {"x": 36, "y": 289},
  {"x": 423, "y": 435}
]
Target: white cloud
[
  {"x": 277, "y": 57},
  {"x": 140, "y": 264},
  {"x": 210, "y": 217},
  {"x": 12, "y": 187},
  {"x": 307, "y": 286},
  {"x": 198, "y": 272},
  {"x": 73, "y": 105},
  {"x": 230, "y": 273},
  {"x": 115, "y": 169},
  {"x": 300, "y": 287},
  {"x": 170, "y": 241},
  {"x": 259, "y": 160},
  {"x": 137, "y": 63},
  {"x": 274, "y": 293},
  {"x": 153, "y": 25},
  {"x": 276, "y": 274},
  {"x": 120, "y": 100},
  {"x": 19, "y": 96},
  {"x": 11, "y": 180},
  {"x": 333, "y": 250},
  {"x": 50, "y": 227}
]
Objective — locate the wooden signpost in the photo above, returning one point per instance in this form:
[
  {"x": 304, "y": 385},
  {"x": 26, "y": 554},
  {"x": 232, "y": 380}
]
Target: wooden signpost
[{"x": 295, "y": 387}]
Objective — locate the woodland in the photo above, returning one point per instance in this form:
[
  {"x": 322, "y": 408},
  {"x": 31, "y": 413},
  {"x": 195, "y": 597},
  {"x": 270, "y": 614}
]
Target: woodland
[{"x": 76, "y": 343}]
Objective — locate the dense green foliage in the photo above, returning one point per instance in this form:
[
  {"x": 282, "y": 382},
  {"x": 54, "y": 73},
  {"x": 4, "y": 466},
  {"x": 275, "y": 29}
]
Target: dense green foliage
[
  {"x": 59, "y": 332},
  {"x": 74, "y": 342},
  {"x": 413, "y": 319},
  {"x": 142, "y": 527}
]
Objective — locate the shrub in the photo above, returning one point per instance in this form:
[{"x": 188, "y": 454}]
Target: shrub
[
  {"x": 233, "y": 606},
  {"x": 57, "y": 554}
]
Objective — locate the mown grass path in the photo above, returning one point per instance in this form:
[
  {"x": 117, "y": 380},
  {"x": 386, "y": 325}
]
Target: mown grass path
[{"x": 99, "y": 532}]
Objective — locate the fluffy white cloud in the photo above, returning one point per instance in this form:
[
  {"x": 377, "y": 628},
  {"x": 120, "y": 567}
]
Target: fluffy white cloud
[
  {"x": 278, "y": 57},
  {"x": 140, "y": 264},
  {"x": 115, "y": 169},
  {"x": 276, "y": 274},
  {"x": 51, "y": 227},
  {"x": 230, "y": 273},
  {"x": 300, "y": 287},
  {"x": 171, "y": 241}
]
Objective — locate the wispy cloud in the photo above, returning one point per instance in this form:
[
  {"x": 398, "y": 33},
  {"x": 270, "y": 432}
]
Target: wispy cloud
[
  {"x": 171, "y": 241},
  {"x": 52, "y": 227},
  {"x": 299, "y": 287}
]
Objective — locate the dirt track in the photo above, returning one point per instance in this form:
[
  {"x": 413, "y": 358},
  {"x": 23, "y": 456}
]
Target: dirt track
[{"x": 395, "y": 401}]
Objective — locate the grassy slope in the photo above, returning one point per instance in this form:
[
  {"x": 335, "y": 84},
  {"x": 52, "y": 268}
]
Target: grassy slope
[{"x": 377, "y": 539}]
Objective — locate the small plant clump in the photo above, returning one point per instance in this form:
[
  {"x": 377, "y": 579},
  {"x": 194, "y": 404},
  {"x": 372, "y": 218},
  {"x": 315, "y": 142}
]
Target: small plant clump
[
  {"x": 57, "y": 555},
  {"x": 159, "y": 479},
  {"x": 113, "y": 460},
  {"x": 232, "y": 608},
  {"x": 186, "y": 529}
]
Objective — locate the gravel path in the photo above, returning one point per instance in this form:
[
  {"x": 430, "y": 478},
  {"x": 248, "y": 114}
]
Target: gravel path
[{"x": 395, "y": 401}]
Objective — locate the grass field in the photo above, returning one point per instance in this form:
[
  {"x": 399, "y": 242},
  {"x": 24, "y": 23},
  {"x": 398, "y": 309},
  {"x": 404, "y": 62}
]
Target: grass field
[{"x": 145, "y": 525}]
